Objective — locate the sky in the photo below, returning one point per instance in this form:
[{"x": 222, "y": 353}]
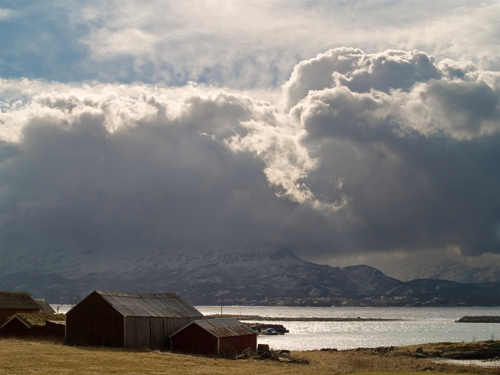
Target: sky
[{"x": 352, "y": 132}]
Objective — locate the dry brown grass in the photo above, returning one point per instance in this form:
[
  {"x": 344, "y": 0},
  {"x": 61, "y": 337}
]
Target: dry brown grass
[
  {"x": 364, "y": 361},
  {"x": 45, "y": 358},
  {"x": 456, "y": 346}
]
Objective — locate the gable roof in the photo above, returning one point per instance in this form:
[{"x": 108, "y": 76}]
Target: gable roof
[
  {"x": 44, "y": 306},
  {"x": 165, "y": 305},
  {"x": 36, "y": 320},
  {"x": 222, "y": 327},
  {"x": 17, "y": 300}
]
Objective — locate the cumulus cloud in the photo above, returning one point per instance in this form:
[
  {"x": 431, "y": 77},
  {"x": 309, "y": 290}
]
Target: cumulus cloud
[
  {"x": 121, "y": 167},
  {"x": 385, "y": 142},
  {"x": 410, "y": 153},
  {"x": 359, "y": 72},
  {"x": 351, "y": 160}
]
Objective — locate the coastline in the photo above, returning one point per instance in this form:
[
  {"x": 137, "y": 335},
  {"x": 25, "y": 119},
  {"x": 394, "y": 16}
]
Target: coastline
[{"x": 301, "y": 318}]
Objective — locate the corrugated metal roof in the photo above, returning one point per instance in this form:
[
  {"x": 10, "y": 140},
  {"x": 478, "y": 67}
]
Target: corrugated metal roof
[
  {"x": 224, "y": 327},
  {"x": 17, "y": 300},
  {"x": 166, "y": 305}
]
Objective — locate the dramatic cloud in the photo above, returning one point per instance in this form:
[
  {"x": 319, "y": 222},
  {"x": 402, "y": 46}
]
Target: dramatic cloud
[
  {"x": 406, "y": 159},
  {"x": 251, "y": 44},
  {"x": 122, "y": 167},
  {"x": 358, "y": 162},
  {"x": 186, "y": 125}
]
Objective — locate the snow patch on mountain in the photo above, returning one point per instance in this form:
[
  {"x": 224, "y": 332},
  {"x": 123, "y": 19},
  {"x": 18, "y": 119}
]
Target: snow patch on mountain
[
  {"x": 452, "y": 271},
  {"x": 76, "y": 265}
]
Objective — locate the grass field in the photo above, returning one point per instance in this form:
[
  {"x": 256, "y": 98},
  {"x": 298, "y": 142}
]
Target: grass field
[{"x": 21, "y": 357}]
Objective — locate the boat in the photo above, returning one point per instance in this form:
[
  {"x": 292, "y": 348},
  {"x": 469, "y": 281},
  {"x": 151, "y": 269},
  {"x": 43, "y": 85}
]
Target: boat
[{"x": 269, "y": 331}]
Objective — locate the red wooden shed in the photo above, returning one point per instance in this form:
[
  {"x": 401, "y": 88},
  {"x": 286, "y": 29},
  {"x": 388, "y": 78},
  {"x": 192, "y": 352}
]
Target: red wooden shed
[
  {"x": 12, "y": 303},
  {"x": 224, "y": 336}
]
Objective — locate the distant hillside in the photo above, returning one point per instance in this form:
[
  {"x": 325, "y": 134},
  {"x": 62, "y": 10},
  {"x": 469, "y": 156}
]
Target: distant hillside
[
  {"x": 452, "y": 271},
  {"x": 238, "y": 277}
]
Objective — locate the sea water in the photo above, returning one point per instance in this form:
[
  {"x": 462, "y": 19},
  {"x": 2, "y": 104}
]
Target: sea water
[{"x": 412, "y": 325}]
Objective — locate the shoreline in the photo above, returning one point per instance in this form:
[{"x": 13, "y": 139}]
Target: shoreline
[
  {"x": 479, "y": 319},
  {"x": 301, "y": 319}
]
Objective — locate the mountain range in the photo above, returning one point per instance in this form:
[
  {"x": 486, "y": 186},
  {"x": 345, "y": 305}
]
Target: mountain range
[
  {"x": 238, "y": 277},
  {"x": 453, "y": 271}
]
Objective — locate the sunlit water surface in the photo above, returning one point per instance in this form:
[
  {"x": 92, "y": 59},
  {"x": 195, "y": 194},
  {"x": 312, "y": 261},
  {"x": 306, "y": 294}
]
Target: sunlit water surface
[{"x": 417, "y": 326}]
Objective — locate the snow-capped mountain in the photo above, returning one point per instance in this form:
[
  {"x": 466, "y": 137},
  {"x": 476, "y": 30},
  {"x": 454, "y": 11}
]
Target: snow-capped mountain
[
  {"x": 452, "y": 271},
  {"x": 246, "y": 276}
]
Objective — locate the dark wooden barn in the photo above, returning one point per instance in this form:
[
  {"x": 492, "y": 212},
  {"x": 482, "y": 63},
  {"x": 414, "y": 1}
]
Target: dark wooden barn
[
  {"x": 42, "y": 325},
  {"x": 128, "y": 319},
  {"x": 12, "y": 303},
  {"x": 214, "y": 336}
]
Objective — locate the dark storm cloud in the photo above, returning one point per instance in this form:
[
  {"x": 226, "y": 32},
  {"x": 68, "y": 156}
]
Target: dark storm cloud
[
  {"x": 162, "y": 177},
  {"x": 369, "y": 153},
  {"x": 416, "y": 154}
]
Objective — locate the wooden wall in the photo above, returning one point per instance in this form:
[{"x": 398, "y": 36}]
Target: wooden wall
[
  {"x": 15, "y": 328},
  {"x": 94, "y": 322},
  {"x": 237, "y": 344},
  {"x": 194, "y": 340},
  {"x": 152, "y": 332}
]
